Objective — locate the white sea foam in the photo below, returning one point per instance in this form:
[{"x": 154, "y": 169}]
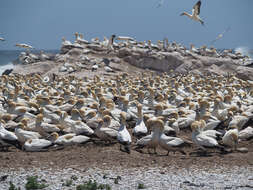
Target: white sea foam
[
  {"x": 4, "y": 67},
  {"x": 243, "y": 50}
]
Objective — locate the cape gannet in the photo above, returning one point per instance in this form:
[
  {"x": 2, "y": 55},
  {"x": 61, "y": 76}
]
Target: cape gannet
[
  {"x": 123, "y": 135},
  {"x": 201, "y": 139},
  {"x": 69, "y": 139},
  {"x": 26, "y": 46},
  {"x": 36, "y": 145},
  {"x": 8, "y": 138},
  {"x": 195, "y": 13}
]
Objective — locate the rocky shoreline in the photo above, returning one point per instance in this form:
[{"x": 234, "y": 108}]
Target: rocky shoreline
[
  {"x": 146, "y": 178},
  {"x": 83, "y": 56}
]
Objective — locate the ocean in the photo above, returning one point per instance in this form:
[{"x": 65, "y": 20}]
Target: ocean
[{"x": 8, "y": 56}]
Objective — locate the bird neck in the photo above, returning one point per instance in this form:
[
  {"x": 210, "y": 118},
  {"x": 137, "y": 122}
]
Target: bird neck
[
  {"x": 158, "y": 112},
  {"x": 38, "y": 123},
  {"x": 99, "y": 126},
  {"x": 158, "y": 132},
  {"x": 75, "y": 117},
  {"x": 195, "y": 132},
  {"x": 187, "y": 14},
  {"x": 125, "y": 108},
  {"x": 122, "y": 126}
]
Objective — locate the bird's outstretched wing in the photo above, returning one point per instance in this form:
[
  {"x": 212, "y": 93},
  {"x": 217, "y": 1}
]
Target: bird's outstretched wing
[{"x": 196, "y": 8}]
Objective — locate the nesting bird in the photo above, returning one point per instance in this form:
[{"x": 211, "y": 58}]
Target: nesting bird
[
  {"x": 153, "y": 111},
  {"x": 140, "y": 128},
  {"x": 8, "y": 138},
  {"x": 201, "y": 139},
  {"x": 123, "y": 135}
]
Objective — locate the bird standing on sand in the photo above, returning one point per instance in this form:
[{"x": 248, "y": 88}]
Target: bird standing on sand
[
  {"x": 195, "y": 13},
  {"x": 123, "y": 136},
  {"x": 7, "y": 138}
]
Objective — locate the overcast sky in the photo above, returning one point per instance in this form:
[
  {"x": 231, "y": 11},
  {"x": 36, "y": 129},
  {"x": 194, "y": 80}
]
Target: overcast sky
[{"x": 42, "y": 23}]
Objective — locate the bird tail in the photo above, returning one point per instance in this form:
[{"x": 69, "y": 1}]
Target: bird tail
[
  {"x": 187, "y": 142},
  {"x": 182, "y": 152},
  {"x": 127, "y": 148},
  {"x": 223, "y": 149},
  {"x": 17, "y": 145}
]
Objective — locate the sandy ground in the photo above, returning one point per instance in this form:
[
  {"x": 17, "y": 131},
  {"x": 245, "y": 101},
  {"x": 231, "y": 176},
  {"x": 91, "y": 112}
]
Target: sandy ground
[
  {"x": 97, "y": 154},
  {"x": 104, "y": 164}
]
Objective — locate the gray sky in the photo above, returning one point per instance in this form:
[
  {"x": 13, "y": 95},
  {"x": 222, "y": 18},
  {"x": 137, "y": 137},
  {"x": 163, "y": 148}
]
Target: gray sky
[{"x": 42, "y": 23}]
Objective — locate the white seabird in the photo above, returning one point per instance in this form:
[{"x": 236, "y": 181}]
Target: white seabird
[
  {"x": 125, "y": 38},
  {"x": 8, "y": 138},
  {"x": 123, "y": 135},
  {"x": 26, "y": 46},
  {"x": 69, "y": 139},
  {"x": 35, "y": 145},
  {"x": 195, "y": 13},
  {"x": 246, "y": 133},
  {"x": 201, "y": 139},
  {"x": 231, "y": 137},
  {"x": 24, "y": 135}
]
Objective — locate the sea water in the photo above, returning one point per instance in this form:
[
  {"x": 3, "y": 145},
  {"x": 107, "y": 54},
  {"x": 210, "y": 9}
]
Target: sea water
[{"x": 6, "y": 59}]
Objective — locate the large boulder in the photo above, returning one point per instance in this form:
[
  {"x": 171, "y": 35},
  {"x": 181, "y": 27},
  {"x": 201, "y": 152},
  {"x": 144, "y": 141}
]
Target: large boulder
[
  {"x": 166, "y": 61},
  {"x": 245, "y": 73}
]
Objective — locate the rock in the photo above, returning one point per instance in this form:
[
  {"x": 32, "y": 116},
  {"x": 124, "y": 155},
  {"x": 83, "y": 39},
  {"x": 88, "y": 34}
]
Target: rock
[
  {"x": 184, "y": 62},
  {"x": 75, "y": 52},
  {"x": 3, "y": 178},
  {"x": 95, "y": 47},
  {"x": 185, "y": 67},
  {"x": 245, "y": 73},
  {"x": 7, "y": 71},
  {"x": 106, "y": 61},
  {"x": 243, "y": 150},
  {"x": 39, "y": 67},
  {"x": 71, "y": 70},
  {"x": 108, "y": 69},
  {"x": 63, "y": 69},
  {"x": 94, "y": 67},
  {"x": 124, "y": 52},
  {"x": 116, "y": 60},
  {"x": 164, "y": 62},
  {"x": 66, "y": 48},
  {"x": 67, "y": 64}
]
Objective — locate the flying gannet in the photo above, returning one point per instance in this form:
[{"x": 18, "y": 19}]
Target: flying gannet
[
  {"x": 220, "y": 36},
  {"x": 26, "y": 46},
  {"x": 195, "y": 13}
]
